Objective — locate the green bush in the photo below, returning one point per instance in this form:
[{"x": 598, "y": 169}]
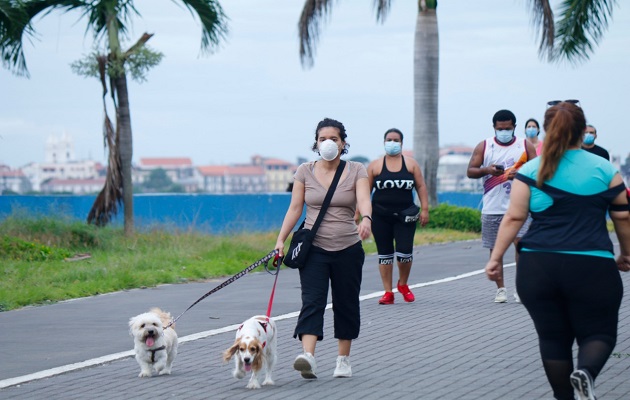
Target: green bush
[
  {"x": 447, "y": 216},
  {"x": 21, "y": 250}
]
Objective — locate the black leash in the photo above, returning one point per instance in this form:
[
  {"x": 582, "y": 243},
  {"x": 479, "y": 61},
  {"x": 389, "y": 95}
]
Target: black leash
[{"x": 238, "y": 275}]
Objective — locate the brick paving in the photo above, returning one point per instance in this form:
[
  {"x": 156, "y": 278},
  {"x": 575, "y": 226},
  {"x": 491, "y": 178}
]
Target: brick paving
[{"x": 452, "y": 343}]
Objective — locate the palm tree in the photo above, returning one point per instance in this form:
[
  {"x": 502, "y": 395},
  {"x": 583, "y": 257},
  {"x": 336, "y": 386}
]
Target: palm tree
[
  {"x": 108, "y": 20},
  {"x": 582, "y": 24}
]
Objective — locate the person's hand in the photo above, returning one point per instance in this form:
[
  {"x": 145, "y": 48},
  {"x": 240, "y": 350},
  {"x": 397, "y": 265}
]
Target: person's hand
[
  {"x": 493, "y": 270},
  {"x": 280, "y": 248},
  {"x": 511, "y": 173},
  {"x": 623, "y": 263},
  {"x": 424, "y": 217},
  {"x": 496, "y": 170},
  {"x": 365, "y": 228}
]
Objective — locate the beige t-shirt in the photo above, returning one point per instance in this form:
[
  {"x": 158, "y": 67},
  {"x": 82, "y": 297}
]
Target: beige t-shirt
[{"x": 338, "y": 230}]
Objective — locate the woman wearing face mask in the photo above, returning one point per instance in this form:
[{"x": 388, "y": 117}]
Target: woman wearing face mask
[
  {"x": 393, "y": 179},
  {"x": 337, "y": 256},
  {"x": 532, "y": 130}
]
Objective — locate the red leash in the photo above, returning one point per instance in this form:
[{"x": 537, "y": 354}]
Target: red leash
[{"x": 277, "y": 262}]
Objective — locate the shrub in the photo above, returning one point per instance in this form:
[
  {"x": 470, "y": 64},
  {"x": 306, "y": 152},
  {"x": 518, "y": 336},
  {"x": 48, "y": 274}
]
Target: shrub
[
  {"x": 447, "y": 216},
  {"x": 17, "y": 249}
]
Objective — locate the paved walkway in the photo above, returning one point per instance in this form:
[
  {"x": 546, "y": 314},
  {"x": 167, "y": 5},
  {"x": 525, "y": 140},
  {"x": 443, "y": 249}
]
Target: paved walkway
[{"x": 452, "y": 343}]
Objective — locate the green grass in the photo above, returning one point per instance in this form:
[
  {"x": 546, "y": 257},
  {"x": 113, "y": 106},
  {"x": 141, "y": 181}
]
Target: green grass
[{"x": 33, "y": 269}]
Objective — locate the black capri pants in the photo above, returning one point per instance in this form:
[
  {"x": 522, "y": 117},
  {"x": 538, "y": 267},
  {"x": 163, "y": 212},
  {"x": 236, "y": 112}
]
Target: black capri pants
[
  {"x": 387, "y": 229},
  {"x": 569, "y": 297},
  {"x": 343, "y": 269}
]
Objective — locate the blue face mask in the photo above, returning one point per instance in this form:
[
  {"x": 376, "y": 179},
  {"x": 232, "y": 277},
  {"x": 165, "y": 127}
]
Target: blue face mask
[
  {"x": 393, "y": 148},
  {"x": 589, "y": 138},
  {"x": 531, "y": 132},
  {"x": 504, "y": 136}
]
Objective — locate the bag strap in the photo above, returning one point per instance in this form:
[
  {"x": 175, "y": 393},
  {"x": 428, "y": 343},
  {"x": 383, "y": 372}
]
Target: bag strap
[{"x": 328, "y": 198}]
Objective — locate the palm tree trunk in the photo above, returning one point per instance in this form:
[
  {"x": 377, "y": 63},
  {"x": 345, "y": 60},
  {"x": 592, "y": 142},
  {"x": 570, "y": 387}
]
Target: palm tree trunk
[
  {"x": 426, "y": 142},
  {"x": 126, "y": 149}
]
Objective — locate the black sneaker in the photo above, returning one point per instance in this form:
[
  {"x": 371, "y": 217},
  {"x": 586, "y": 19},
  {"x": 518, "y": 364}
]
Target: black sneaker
[{"x": 583, "y": 384}]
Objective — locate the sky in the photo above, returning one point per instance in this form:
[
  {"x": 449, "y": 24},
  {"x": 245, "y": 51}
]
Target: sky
[{"x": 252, "y": 96}]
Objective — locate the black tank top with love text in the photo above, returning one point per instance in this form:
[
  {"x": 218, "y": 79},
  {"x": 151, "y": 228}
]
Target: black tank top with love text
[{"x": 393, "y": 191}]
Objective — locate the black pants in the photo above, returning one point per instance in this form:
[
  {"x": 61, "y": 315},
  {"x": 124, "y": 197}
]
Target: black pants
[
  {"x": 343, "y": 271},
  {"x": 571, "y": 297}
]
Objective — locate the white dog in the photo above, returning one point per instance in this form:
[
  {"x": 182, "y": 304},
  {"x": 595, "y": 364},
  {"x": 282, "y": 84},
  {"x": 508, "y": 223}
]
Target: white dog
[
  {"x": 155, "y": 346},
  {"x": 255, "y": 347}
]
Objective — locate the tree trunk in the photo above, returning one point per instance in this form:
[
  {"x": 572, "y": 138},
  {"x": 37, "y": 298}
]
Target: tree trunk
[
  {"x": 426, "y": 143},
  {"x": 126, "y": 149}
]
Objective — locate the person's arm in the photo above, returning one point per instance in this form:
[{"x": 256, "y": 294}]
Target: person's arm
[
  {"x": 364, "y": 205},
  {"x": 475, "y": 170},
  {"x": 621, "y": 222},
  {"x": 421, "y": 189},
  {"x": 512, "y": 221},
  {"x": 291, "y": 217},
  {"x": 531, "y": 150}
]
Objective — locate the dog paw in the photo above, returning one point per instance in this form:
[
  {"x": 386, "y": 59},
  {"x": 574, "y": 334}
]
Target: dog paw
[
  {"x": 165, "y": 372},
  {"x": 253, "y": 385},
  {"x": 239, "y": 374},
  {"x": 144, "y": 374},
  {"x": 268, "y": 381}
]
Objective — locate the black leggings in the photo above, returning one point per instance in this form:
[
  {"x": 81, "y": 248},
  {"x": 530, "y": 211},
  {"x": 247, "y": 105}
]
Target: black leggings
[
  {"x": 389, "y": 229},
  {"x": 571, "y": 297}
]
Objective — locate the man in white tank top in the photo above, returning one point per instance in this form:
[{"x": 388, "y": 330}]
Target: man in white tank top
[{"x": 496, "y": 160}]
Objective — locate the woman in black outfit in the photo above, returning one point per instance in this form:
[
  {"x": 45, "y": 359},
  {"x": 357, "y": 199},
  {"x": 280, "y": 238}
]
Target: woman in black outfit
[{"x": 393, "y": 179}]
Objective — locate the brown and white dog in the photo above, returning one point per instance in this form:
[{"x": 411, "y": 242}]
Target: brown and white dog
[{"x": 253, "y": 349}]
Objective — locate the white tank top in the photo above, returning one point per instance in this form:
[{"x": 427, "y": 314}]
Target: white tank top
[{"x": 496, "y": 189}]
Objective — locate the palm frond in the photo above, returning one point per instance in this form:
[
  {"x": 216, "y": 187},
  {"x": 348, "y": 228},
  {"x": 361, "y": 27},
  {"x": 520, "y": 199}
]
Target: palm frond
[
  {"x": 14, "y": 25},
  {"x": 543, "y": 19},
  {"x": 581, "y": 25},
  {"x": 213, "y": 22},
  {"x": 313, "y": 14},
  {"x": 382, "y": 9},
  {"x": 105, "y": 206}
]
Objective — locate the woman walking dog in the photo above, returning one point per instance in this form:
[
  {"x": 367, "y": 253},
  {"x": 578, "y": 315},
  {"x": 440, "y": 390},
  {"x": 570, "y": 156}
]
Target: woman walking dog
[{"x": 337, "y": 256}]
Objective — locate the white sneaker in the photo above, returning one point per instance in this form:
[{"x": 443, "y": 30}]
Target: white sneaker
[
  {"x": 583, "y": 384},
  {"x": 517, "y": 298},
  {"x": 305, "y": 363},
  {"x": 343, "y": 369},
  {"x": 501, "y": 296}
]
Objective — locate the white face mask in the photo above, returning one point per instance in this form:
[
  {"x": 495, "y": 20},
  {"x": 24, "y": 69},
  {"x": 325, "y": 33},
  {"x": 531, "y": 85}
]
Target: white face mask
[{"x": 328, "y": 150}]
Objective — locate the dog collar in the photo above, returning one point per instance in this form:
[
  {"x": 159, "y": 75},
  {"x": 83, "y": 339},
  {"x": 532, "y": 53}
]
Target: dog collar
[{"x": 153, "y": 352}]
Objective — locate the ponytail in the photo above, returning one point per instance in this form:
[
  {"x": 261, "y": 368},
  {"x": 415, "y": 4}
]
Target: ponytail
[{"x": 564, "y": 126}]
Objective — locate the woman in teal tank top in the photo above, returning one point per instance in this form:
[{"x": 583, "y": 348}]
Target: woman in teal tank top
[{"x": 567, "y": 276}]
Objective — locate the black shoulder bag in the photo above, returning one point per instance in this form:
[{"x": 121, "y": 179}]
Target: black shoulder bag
[{"x": 302, "y": 239}]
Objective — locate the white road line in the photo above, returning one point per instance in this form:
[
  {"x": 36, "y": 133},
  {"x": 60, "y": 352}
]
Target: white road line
[{"x": 196, "y": 336}]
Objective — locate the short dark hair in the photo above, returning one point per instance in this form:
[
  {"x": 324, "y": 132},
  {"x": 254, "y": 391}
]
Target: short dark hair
[
  {"x": 333, "y": 123},
  {"x": 504, "y": 115},
  {"x": 534, "y": 121},
  {"x": 591, "y": 126},
  {"x": 395, "y": 131}
]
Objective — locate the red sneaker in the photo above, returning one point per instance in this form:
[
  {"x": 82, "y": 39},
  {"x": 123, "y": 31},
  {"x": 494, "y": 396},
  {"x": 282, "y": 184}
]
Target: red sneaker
[
  {"x": 406, "y": 293},
  {"x": 388, "y": 298}
]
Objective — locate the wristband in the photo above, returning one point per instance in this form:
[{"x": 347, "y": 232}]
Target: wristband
[{"x": 368, "y": 217}]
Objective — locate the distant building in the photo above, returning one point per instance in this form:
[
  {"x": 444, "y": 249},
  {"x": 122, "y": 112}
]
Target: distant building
[
  {"x": 278, "y": 173},
  {"x": 232, "y": 179},
  {"x": 73, "y": 186},
  {"x": 61, "y": 164},
  {"x": 13, "y": 181},
  {"x": 180, "y": 171},
  {"x": 452, "y": 170}
]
